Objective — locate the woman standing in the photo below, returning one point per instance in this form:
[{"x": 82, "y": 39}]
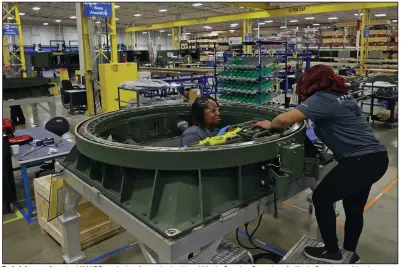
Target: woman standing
[{"x": 362, "y": 159}]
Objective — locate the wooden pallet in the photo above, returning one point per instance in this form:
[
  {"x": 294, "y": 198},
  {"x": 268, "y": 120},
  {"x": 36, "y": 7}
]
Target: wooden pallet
[{"x": 95, "y": 226}]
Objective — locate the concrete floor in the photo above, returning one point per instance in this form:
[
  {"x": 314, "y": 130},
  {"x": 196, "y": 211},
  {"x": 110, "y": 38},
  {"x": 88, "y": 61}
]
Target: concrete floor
[{"x": 25, "y": 243}]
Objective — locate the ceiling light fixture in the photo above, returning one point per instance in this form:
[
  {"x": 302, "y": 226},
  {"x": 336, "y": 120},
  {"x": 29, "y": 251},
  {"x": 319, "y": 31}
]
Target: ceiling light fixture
[
  {"x": 137, "y": 15},
  {"x": 9, "y": 18},
  {"x": 234, "y": 25},
  {"x": 170, "y": 34},
  {"x": 116, "y": 6},
  {"x": 380, "y": 15},
  {"x": 144, "y": 32},
  {"x": 187, "y": 33},
  {"x": 394, "y": 20},
  {"x": 283, "y": 27},
  {"x": 316, "y": 24},
  {"x": 36, "y": 8},
  {"x": 197, "y": 4},
  {"x": 22, "y": 14},
  {"x": 45, "y": 23},
  {"x": 98, "y": 22},
  {"x": 207, "y": 27},
  {"x": 162, "y": 31},
  {"x": 332, "y": 18},
  {"x": 310, "y": 18},
  {"x": 295, "y": 20},
  {"x": 162, "y": 10},
  {"x": 232, "y": 30},
  {"x": 268, "y": 21},
  {"x": 58, "y": 20},
  {"x": 261, "y": 23},
  {"x": 358, "y": 14},
  {"x": 73, "y": 17}
]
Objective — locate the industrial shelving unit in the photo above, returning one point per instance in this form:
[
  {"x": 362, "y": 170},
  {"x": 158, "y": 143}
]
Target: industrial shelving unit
[{"x": 251, "y": 78}]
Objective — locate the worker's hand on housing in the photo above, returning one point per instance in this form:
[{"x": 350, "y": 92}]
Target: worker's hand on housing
[{"x": 264, "y": 124}]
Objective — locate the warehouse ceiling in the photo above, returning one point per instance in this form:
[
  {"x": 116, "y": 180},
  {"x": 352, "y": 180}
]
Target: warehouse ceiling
[{"x": 150, "y": 14}]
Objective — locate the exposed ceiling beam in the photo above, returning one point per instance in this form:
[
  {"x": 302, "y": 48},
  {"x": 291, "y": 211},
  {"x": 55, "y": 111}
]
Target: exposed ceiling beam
[
  {"x": 277, "y": 12},
  {"x": 251, "y": 5}
]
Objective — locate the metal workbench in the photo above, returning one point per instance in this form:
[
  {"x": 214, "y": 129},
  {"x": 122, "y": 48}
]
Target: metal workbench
[
  {"x": 207, "y": 238},
  {"x": 34, "y": 102}
]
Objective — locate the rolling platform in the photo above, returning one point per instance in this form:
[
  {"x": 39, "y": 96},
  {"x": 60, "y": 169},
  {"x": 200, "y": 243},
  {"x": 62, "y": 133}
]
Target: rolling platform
[{"x": 296, "y": 254}]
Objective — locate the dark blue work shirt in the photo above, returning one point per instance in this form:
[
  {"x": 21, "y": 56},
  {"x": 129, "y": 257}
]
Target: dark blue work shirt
[
  {"x": 194, "y": 134},
  {"x": 340, "y": 124}
]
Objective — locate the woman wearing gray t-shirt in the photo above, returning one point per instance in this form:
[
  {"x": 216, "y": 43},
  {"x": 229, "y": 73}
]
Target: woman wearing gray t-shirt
[{"x": 362, "y": 159}]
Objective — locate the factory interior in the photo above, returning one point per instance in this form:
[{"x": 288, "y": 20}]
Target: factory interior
[{"x": 146, "y": 132}]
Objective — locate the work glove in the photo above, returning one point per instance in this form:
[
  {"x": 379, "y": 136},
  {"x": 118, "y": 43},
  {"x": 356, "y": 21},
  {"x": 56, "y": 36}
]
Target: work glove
[{"x": 223, "y": 130}]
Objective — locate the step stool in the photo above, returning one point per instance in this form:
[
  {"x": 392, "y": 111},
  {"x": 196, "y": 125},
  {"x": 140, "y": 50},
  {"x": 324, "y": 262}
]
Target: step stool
[{"x": 296, "y": 254}]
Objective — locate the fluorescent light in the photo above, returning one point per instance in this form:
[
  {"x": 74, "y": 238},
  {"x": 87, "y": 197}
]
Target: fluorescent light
[
  {"x": 45, "y": 23},
  {"x": 255, "y": 29},
  {"x": 57, "y": 20},
  {"x": 144, "y": 32},
  {"x": 98, "y": 22},
  {"x": 36, "y": 8},
  {"x": 380, "y": 15},
  {"x": 170, "y": 34},
  {"x": 268, "y": 21},
  {"x": 197, "y": 4},
  {"x": 261, "y": 23},
  {"x": 162, "y": 10},
  {"x": 241, "y": 7},
  {"x": 358, "y": 14},
  {"x": 73, "y": 17},
  {"x": 22, "y": 14},
  {"x": 283, "y": 27},
  {"x": 187, "y": 33},
  {"x": 295, "y": 20},
  {"x": 234, "y": 25},
  {"x": 394, "y": 20},
  {"x": 207, "y": 27},
  {"x": 310, "y": 18},
  {"x": 115, "y": 6},
  {"x": 137, "y": 15},
  {"x": 162, "y": 31},
  {"x": 9, "y": 18},
  {"x": 316, "y": 24},
  {"x": 117, "y": 19},
  {"x": 232, "y": 30},
  {"x": 333, "y": 18}
]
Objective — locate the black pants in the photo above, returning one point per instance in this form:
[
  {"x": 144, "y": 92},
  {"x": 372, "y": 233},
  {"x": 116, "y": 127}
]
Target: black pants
[
  {"x": 350, "y": 181},
  {"x": 16, "y": 112}
]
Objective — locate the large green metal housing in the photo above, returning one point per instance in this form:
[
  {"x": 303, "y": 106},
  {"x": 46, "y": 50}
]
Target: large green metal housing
[
  {"x": 18, "y": 88},
  {"x": 133, "y": 157}
]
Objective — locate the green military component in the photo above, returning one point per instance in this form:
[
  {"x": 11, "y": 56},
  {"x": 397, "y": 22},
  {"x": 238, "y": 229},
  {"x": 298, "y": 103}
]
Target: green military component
[
  {"x": 134, "y": 158},
  {"x": 18, "y": 88}
]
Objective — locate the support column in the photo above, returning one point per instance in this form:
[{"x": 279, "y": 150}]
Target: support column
[
  {"x": 133, "y": 40},
  {"x": 364, "y": 40},
  {"x": 176, "y": 38},
  {"x": 80, "y": 40},
  {"x": 113, "y": 35},
  {"x": 246, "y": 29},
  {"x": 87, "y": 60},
  {"x": 12, "y": 10}
]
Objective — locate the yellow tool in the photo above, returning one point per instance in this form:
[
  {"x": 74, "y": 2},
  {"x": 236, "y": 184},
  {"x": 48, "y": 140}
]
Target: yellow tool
[{"x": 218, "y": 140}]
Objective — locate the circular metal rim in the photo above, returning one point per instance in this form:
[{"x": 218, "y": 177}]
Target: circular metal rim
[{"x": 84, "y": 135}]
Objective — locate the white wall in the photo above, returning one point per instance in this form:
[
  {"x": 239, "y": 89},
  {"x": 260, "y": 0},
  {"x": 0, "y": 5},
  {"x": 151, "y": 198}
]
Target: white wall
[{"x": 43, "y": 35}]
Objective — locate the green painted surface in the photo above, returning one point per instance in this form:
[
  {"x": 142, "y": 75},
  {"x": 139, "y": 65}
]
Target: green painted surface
[{"x": 177, "y": 188}]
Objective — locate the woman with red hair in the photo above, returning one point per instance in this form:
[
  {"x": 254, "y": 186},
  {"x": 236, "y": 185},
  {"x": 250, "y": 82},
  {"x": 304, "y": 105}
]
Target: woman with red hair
[{"x": 362, "y": 159}]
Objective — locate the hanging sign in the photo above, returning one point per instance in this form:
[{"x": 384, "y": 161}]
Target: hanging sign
[
  {"x": 97, "y": 10},
  {"x": 10, "y": 29}
]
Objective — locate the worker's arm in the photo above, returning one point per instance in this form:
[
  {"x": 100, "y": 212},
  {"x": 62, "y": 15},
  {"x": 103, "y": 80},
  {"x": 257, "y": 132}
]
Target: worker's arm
[{"x": 283, "y": 120}]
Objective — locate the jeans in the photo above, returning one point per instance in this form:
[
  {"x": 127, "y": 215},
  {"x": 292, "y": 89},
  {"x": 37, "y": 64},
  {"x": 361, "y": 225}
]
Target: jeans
[{"x": 350, "y": 181}]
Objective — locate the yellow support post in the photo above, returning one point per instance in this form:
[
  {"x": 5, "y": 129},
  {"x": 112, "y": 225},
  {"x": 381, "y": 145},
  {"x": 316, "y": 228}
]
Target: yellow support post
[
  {"x": 246, "y": 29},
  {"x": 88, "y": 63},
  {"x": 173, "y": 38},
  {"x": 113, "y": 35},
  {"x": 364, "y": 40},
  {"x": 6, "y": 55},
  {"x": 176, "y": 38},
  {"x": 12, "y": 10}
]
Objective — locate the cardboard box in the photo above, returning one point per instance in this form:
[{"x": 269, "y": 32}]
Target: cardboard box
[{"x": 192, "y": 95}]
